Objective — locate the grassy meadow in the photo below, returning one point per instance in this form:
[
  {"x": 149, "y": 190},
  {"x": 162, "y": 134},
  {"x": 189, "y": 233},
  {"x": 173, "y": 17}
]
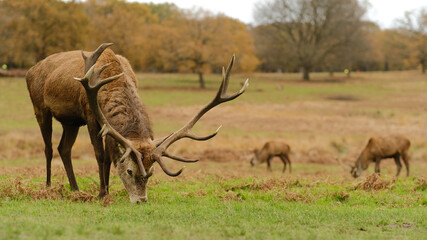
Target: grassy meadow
[{"x": 221, "y": 196}]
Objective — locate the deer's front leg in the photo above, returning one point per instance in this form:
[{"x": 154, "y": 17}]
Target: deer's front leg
[
  {"x": 377, "y": 165},
  {"x": 98, "y": 147}
]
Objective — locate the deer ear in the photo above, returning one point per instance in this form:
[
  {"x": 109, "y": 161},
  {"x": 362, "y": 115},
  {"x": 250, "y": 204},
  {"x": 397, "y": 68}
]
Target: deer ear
[{"x": 255, "y": 150}]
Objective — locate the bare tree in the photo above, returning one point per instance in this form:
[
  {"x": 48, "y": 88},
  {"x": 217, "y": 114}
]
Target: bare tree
[{"x": 314, "y": 29}]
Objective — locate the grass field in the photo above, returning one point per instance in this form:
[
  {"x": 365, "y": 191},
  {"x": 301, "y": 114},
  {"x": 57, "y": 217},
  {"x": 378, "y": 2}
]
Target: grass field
[{"x": 222, "y": 197}]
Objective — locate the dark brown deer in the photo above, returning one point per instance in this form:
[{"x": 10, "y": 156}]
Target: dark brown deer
[
  {"x": 105, "y": 98},
  {"x": 379, "y": 148},
  {"x": 270, "y": 150}
]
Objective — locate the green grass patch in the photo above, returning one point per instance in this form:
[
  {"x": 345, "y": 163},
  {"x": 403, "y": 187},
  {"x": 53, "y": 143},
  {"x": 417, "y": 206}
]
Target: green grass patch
[{"x": 213, "y": 208}]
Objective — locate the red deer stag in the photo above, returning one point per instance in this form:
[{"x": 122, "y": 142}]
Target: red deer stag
[
  {"x": 106, "y": 99},
  {"x": 272, "y": 149},
  {"x": 379, "y": 148}
]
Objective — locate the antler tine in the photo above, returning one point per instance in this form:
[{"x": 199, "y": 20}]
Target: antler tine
[
  {"x": 92, "y": 83},
  {"x": 181, "y": 159},
  {"x": 199, "y": 138},
  {"x": 190, "y": 135},
  {"x": 91, "y": 60},
  {"x": 166, "y": 170},
  {"x": 184, "y": 132},
  {"x": 226, "y": 75}
]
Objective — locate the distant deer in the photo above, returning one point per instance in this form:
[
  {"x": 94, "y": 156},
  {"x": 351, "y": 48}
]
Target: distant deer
[
  {"x": 379, "y": 148},
  {"x": 105, "y": 97},
  {"x": 270, "y": 150}
]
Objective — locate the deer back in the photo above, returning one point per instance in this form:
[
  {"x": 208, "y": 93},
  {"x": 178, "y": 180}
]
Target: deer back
[
  {"x": 52, "y": 87},
  {"x": 385, "y": 147},
  {"x": 273, "y": 148}
]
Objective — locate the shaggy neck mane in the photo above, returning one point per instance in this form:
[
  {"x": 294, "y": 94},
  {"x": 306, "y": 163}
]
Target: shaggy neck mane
[{"x": 120, "y": 102}]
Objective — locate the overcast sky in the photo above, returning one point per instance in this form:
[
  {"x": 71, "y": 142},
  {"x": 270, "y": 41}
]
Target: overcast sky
[{"x": 384, "y": 12}]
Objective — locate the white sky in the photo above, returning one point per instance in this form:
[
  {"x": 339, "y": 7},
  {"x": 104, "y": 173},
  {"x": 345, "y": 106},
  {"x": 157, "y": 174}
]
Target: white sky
[{"x": 384, "y": 12}]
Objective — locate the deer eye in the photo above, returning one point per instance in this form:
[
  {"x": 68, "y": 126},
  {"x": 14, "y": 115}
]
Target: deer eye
[{"x": 129, "y": 172}]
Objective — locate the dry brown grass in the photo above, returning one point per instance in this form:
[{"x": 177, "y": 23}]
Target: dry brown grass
[
  {"x": 296, "y": 197},
  {"x": 231, "y": 196},
  {"x": 23, "y": 189},
  {"x": 19, "y": 188},
  {"x": 374, "y": 182},
  {"x": 421, "y": 184}
]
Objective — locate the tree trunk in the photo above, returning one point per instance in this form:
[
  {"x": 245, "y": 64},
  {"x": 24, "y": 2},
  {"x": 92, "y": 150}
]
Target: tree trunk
[
  {"x": 201, "y": 80},
  {"x": 423, "y": 66},
  {"x": 306, "y": 74}
]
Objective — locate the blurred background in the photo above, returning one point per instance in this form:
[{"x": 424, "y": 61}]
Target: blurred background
[{"x": 199, "y": 37}]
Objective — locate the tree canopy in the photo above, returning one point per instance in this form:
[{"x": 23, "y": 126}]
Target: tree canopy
[{"x": 154, "y": 37}]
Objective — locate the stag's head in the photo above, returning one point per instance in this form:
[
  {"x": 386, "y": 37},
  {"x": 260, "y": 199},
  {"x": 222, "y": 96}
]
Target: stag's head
[
  {"x": 134, "y": 159},
  {"x": 353, "y": 169},
  {"x": 354, "y": 172},
  {"x": 128, "y": 169},
  {"x": 357, "y": 168}
]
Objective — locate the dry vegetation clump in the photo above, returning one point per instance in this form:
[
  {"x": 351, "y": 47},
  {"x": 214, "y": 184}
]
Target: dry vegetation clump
[
  {"x": 269, "y": 184},
  {"x": 231, "y": 196},
  {"x": 296, "y": 197},
  {"x": 107, "y": 200},
  {"x": 199, "y": 193},
  {"x": 18, "y": 189},
  {"x": 81, "y": 197},
  {"x": 420, "y": 184},
  {"x": 341, "y": 196},
  {"x": 374, "y": 182}
]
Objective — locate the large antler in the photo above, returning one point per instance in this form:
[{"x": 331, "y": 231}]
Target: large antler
[
  {"x": 92, "y": 83},
  {"x": 185, "y": 132}
]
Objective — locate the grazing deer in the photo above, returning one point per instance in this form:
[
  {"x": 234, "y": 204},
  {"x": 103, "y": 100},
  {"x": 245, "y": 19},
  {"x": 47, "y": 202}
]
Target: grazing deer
[
  {"x": 270, "y": 150},
  {"x": 105, "y": 97},
  {"x": 379, "y": 148}
]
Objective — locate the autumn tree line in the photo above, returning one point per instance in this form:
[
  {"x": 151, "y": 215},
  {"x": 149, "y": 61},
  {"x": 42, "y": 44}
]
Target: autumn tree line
[{"x": 288, "y": 36}]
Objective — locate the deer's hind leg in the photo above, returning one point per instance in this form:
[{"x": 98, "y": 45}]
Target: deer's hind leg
[
  {"x": 283, "y": 157},
  {"x": 398, "y": 164},
  {"x": 289, "y": 162},
  {"x": 405, "y": 158},
  {"x": 269, "y": 163},
  {"x": 68, "y": 138},
  {"x": 44, "y": 119}
]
